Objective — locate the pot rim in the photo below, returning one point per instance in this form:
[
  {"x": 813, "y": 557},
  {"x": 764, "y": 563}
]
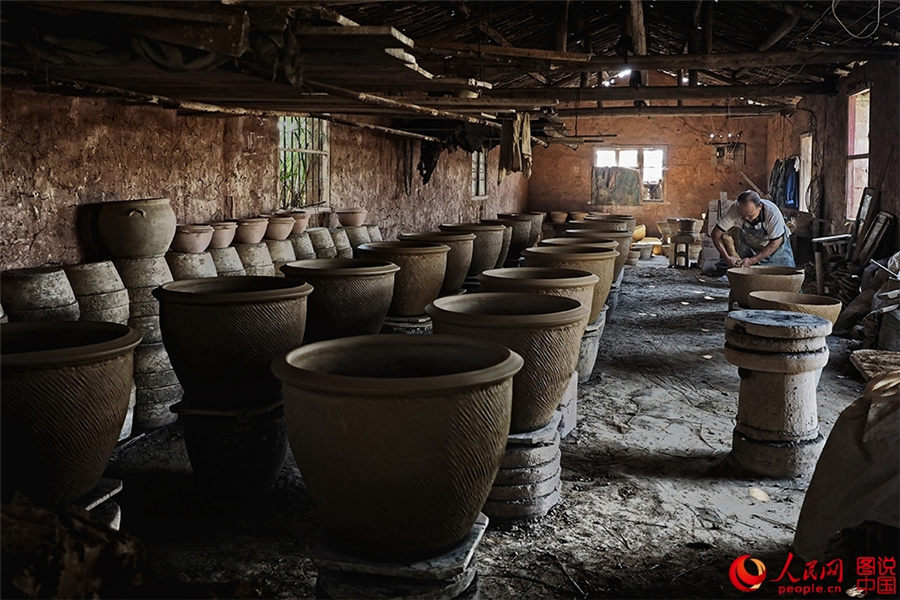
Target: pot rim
[
  {"x": 508, "y": 363},
  {"x": 180, "y": 292},
  {"x": 612, "y": 234},
  {"x": 575, "y": 241},
  {"x": 472, "y": 227},
  {"x": 574, "y": 250},
  {"x": 339, "y": 267},
  {"x": 281, "y": 219},
  {"x": 224, "y": 225},
  {"x": 194, "y": 228},
  {"x": 251, "y": 220},
  {"x": 571, "y": 311},
  {"x": 450, "y": 236},
  {"x": 183, "y": 408},
  {"x": 795, "y": 298},
  {"x": 405, "y": 247},
  {"x": 515, "y": 216},
  {"x": 356, "y": 209},
  {"x": 765, "y": 270},
  {"x": 126, "y": 339},
  {"x": 567, "y": 278}
]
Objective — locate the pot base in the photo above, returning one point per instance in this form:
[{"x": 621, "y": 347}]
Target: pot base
[
  {"x": 420, "y": 325},
  {"x": 446, "y": 576}
]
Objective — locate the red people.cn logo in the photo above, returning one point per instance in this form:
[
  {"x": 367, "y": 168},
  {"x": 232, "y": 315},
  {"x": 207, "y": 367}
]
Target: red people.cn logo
[{"x": 741, "y": 578}]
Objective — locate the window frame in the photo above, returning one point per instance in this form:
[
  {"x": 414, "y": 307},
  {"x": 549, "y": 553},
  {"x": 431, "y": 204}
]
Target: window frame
[
  {"x": 479, "y": 174},
  {"x": 806, "y": 158},
  {"x": 317, "y": 171},
  {"x": 853, "y": 193},
  {"x": 640, "y": 158}
]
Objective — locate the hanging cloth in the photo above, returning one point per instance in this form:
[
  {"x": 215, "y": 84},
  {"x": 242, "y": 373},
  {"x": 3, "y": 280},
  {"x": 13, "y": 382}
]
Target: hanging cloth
[{"x": 515, "y": 147}]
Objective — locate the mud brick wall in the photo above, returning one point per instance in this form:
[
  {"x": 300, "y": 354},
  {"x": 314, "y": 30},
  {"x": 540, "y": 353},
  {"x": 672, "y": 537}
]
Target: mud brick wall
[{"x": 562, "y": 176}]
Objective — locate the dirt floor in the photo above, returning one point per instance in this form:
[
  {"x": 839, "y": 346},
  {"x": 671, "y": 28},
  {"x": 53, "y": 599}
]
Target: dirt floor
[{"x": 650, "y": 504}]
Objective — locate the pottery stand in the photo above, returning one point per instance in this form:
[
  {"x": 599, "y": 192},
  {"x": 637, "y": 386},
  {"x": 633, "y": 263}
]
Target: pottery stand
[
  {"x": 444, "y": 577},
  {"x": 568, "y": 407},
  {"x": 99, "y": 502},
  {"x": 528, "y": 482},
  {"x": 590, "y": 346},
  {"x": 420, "y": 325},
  {"x": 778, "y": 354}
]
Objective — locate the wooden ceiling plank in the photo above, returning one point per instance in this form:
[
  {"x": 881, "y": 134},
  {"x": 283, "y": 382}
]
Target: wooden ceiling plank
[{"x": 339, "y": 38}]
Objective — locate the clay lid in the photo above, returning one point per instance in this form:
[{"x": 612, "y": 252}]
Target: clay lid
[
  {"x": 224, "y": 225},
  {"x": 193, "y": 228},
  {"x": 439, "y": 236},
  {"x": 231, "y": 290},
  {"x": 387, "y": 365},
  {"x": 338, "y": 267},
  {"x": 575, "y": 250},
  {"x": 777, "y": 324},
  {"x": 508, "y": 310},
  {"x": 405, "y": 247},
  {"x": 471, "y": 227},
  {"x": 48, "y": 343},
  {"x": 541, "y": 277}
]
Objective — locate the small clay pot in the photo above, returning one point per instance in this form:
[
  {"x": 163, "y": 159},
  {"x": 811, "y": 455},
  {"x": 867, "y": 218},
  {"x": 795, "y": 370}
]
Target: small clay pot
[
  {"x": 251, "y": 230},
  {"x": 190, "y": 265},
  {"x": 192, "y": 238},
  {"x": 577, "y": 215},
  {"x": 821, "y": 306},
  {"x": 486, "y": 247},
  {"x": 223, "y": 234},
  {"x": 545, "y": 330},
  {"x": 645, "y": 250},
  {"x": 458, "y": 259},
  {"x": 222, "y": 333},
  {"x": 422, "y": 268},
  {"x": 65, "y": 395},
  {"x": 94, "y": 278},
  {"x": 744, "y": 280},
  {"x": 354, "y": 215},
  {"x": 301, "y": 221},
  {"x": 398, "y": 438},
  {"x": 640, "y": 232},
  {"x": 558, "y": 216},
  {"x": 599, "y": 261},
  {"x": 152, "y": 407},
  {"x": 136, "y": 228},
  {"x": 279, "y": 227},
  {"x": 350, "y": 296},
  {"x": 569, "y": 283},
  {"x": 633, "y": 257}
]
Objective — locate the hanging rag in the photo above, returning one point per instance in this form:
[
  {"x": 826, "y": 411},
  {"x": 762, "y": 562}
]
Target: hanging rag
[{"x": 515, "y": 147}]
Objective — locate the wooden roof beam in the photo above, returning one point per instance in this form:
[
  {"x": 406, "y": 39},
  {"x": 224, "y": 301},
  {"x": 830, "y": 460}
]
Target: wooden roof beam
[
  {"x": 667, "y": 92},
  {"x": 807, "y": 14},
  {"x": 676, "y": 111}
]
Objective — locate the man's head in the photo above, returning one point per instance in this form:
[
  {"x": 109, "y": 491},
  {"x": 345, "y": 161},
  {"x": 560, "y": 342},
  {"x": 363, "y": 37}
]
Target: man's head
[{"x": 749, "y": 205}]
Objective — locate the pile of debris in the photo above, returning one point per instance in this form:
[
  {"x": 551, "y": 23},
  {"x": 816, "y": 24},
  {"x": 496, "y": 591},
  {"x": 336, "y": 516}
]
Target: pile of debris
[{"x": 873, "y": 316}]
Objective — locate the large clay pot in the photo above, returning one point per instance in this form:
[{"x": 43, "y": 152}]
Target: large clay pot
[
  {"x": 422, "y": 267},
  {"x": 522, "y": 226},
  {"x": 65, "y": 394},
  {"x": 821, "y": 306},
  {"x": 507, "y": 238},
  {"x": 39, "y": 294},
  {"x": 545, "y": 330},
  {"x": 192, "y": 238},
  {"x": 458, "y": 259},
  {"x": 569, "y": 283},
  {"x": 575, "y": 241},
  {"x": 486, "y": 247},
  {"x": 398, "y": 438},
  {"x": 622, "y": 237},
  {"x": 744, "y": 280},
  {"x": 537, "y": 221},
  {"x": 137, "y": 228},
  {"x": 223, "y": 234},
  {"x": 354, "y": 215},
  {"x": 599, "y": 261},
  {"x": 222, "y": 333},
  {"x": 350, "y": 296}
]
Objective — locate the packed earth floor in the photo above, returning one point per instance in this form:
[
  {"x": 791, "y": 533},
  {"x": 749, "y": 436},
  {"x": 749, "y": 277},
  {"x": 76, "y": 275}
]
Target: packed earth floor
[{"x": 650, "y": 506}]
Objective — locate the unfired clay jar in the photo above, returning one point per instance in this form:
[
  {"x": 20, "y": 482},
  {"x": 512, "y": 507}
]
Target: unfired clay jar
[
  {"x": 301, "y": 221},
  {"x": 522, "y": 226},
  {"x": 192, "y": 238},
  {"x": 350, "y": 296},
  {"x": 398, "y": 438},
  {"x": 354, "y": 215},
  {"x": 65, "y": 394},
  {"x": 821, "y": 306},
  {"x": 486, "y": 247},
  {"x": 222, "y": 333},
  {"x": 622, "y": 237},
  {"x": 507, "y": 238},
  {"x": 458, "y": 259},
  {"x": 545, "y": 330},
  {"x": 251, "y": 230},
  {"x": 223, "y": 234},
  {"x": 599, "y": 261},
  {"x": 136, "y": 228},
  {"x": 744, "y": 280},
  {"x": 569, "y": 283},
  {"x": 279, "y": 227},
  {"x": 422, "y": 268},
  {"x": 282, "y": 252}
]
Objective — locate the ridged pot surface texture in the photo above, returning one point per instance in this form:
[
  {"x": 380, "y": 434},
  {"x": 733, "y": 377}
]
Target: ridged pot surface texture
[
  {"x": 458, "y": 259},
  {"x": 486, "y": 247},
  {"x": 422, "y": 267},
  {"x": 599, "y": 261},
  {"x": 622, "y": 237},
  {"x": 568, "y": 283}
]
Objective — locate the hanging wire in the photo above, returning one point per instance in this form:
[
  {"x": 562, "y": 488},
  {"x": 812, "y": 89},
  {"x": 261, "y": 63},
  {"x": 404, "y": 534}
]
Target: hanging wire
[{"x": 862, "y": 35}]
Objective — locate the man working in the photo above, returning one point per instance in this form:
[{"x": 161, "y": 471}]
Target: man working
[{"x": 764, "y": 238}]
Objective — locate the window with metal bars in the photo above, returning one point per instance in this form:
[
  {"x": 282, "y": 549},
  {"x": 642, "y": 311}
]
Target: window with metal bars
[
  {"x": 479, "y": 174},
  {"x": 303, "y": 166}
]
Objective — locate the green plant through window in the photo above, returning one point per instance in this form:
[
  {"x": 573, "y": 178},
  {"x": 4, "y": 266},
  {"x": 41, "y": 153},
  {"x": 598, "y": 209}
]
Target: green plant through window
[{"x": 303, "y": 177}]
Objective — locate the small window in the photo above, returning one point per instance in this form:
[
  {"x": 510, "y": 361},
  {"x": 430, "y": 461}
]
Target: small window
[
  {"x": 650, "y": 163},
  {"x": 857, "y": 150},
  {"x": 303, "y": 166},
  {"x": 479, "y": 174},
  {"x": 806, "y": 151}
]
